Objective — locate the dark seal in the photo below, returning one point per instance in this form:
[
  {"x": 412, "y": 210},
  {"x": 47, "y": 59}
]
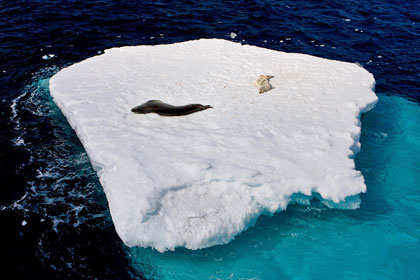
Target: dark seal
[{"x": 164, "y": 109}]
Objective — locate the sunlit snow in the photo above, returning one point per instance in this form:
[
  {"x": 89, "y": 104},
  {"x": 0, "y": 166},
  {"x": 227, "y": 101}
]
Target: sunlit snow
[{"x": 199, "y": 180}]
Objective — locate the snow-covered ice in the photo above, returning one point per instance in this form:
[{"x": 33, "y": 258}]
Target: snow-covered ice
[{"x": 199, "y": 180}]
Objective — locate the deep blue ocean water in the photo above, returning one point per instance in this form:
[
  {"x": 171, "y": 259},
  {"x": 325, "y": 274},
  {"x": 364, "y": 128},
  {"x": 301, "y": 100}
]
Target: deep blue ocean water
[{"x": 54, "y": 219}]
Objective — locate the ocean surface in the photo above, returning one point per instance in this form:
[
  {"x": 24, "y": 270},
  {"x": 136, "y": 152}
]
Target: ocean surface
[{"x": 55, "y": 223}]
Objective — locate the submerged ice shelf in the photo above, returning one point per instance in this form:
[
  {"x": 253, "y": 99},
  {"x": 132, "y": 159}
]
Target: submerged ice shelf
[{"x": 198, "y": 180}]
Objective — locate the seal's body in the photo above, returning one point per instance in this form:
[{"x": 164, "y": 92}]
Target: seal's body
[
  {"x": 163, "y": 109},
  {"x": 263, "y": 83}
]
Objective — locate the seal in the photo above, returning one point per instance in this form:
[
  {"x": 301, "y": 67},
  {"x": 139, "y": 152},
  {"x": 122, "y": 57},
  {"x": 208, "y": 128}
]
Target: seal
[
  {"x": 164, "y": 109},
  {"x": 263, "y": 83}
]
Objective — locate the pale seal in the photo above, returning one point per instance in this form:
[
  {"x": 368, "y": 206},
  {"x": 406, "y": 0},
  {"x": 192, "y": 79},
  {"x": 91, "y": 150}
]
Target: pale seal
[
  {"x": 263, "y": 83},
  {"x": 164, "y": 109}
]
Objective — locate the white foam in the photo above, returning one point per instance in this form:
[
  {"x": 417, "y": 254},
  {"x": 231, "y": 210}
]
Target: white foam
[
  {"x": 48, "y": 56},
  {"x": 198, "y": 180}
]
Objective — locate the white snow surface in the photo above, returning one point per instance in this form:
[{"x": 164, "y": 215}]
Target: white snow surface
[{"x": 198, "y": 180}]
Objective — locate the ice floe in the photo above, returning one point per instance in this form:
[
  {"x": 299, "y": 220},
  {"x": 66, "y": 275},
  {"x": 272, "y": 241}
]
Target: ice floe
[{"x": 200, "y": 179}]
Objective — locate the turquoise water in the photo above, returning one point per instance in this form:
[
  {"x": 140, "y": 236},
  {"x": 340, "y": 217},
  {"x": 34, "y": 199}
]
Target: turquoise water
[{"x": 380, "y": 240}]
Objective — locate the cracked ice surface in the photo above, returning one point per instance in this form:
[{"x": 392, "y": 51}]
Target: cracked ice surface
[{"x": 199, "y": 180}]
